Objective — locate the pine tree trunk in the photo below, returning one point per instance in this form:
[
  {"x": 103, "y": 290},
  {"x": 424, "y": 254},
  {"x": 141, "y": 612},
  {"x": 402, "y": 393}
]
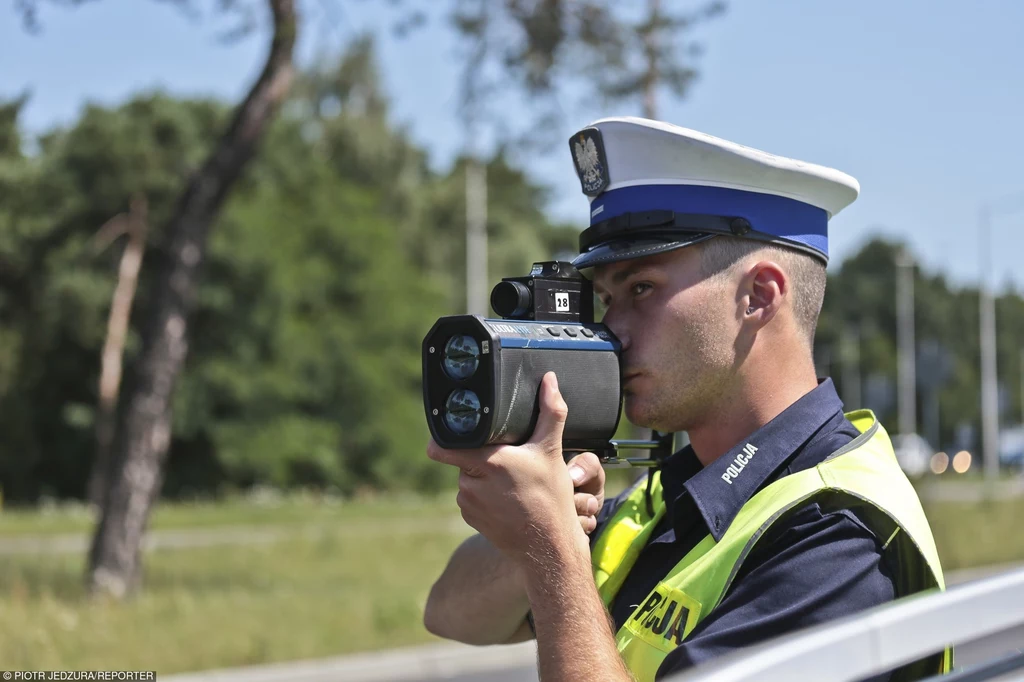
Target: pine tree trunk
[
  {"x": 144, "y": 428},
  {"x": 135, "y": 225}
]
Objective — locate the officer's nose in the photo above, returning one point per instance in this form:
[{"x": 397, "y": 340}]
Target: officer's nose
[{"x": 617, "y": 327}]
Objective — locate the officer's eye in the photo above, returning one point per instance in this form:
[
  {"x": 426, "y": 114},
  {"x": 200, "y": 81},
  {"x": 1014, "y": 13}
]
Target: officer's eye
[{"x": 639, "y": 288}]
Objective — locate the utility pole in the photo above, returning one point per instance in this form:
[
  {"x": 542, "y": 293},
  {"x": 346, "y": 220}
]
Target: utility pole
[
  {"x": 989, "y": 389},
  {"x": 652, "y": 74},
  {"x": 932, "y": 365},
  {"x": 851, "y": 367},
  {"x": 905, "y": 337},
  {"x": 476, "y": 236},
  {"x": 473, "y": 99},
  {"x": 987, "y": 330}
]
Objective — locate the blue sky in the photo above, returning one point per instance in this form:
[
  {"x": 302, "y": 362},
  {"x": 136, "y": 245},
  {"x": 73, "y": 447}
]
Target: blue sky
[{"x": 920, "y": 100}]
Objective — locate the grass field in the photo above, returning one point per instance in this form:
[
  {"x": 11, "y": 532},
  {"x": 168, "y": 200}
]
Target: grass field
[
  {"x": 983, "y": 533},
  {"x": 253, "y": 510},
  {"x": 342, "y": 577},
  {"x": 356, "y": 579}
]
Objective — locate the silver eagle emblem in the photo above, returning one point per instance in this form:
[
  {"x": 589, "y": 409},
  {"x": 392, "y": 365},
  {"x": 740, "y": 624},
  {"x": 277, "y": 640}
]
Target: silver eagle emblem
[
  {"x": 588, "y": 162},
  {"x": 587, "y": 149}
]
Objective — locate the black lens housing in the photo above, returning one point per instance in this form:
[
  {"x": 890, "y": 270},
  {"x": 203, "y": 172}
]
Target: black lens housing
[{"x": 511, "y": 299}]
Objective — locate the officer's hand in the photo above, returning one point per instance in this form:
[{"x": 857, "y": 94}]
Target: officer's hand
[
  {"x": 588, "y": 479},
  {"x": 521, "y": 497}
]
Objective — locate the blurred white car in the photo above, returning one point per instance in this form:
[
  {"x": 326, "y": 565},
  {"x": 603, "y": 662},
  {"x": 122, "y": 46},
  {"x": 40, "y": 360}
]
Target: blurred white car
[{"x": 913, "y": 453}]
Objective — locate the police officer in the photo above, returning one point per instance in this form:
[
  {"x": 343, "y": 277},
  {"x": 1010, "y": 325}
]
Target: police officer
[{"x": 783, "y": 512}]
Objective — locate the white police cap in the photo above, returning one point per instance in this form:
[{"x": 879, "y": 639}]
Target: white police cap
[{"x": 654, "y": 187}]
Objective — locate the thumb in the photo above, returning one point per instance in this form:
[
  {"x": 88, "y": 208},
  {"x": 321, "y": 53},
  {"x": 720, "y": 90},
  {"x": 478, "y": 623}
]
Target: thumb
[{"x": 553, "y": 413}]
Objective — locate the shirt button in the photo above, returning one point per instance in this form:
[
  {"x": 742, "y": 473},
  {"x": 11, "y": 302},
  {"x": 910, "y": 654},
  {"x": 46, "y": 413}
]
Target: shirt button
[{"x": 718, "y": 523}]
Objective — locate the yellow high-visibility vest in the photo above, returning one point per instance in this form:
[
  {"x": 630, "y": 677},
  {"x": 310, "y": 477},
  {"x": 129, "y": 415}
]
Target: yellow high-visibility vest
[{"x": 863, "y": 477}]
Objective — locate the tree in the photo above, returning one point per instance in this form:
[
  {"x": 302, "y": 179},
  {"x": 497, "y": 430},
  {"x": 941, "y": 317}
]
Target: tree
[
  {"x": 134, "y": 225},
  {"x": 532, "y": 41},
  {"x": 336, "y": 251},
  {"x": 654, "y": 53},
  {"x": 306, "y": 368},
  {"x": 143, "y": 435},
  {"x": 267, "y": 396},
  {"x": 56, "y": 300},
  {"x": 542, "y": 46},
  {"x": 859, "y": 308}
]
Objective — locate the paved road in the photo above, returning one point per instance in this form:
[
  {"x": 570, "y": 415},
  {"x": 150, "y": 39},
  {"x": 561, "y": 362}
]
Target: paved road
[{"x": 518, "y": 674}]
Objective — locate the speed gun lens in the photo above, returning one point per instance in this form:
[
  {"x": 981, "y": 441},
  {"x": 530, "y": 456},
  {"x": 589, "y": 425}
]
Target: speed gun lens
[
  {"x": 462, "y": 411},
  {"x": 461, "y": 357}
]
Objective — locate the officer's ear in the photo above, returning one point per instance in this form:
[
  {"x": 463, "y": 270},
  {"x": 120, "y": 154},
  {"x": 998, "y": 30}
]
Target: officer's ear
[{"x": 766, "y": 286}]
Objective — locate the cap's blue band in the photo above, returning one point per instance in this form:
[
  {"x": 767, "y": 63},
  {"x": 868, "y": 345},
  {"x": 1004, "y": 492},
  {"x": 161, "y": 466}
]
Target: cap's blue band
[{"x": 770, "y": 214}]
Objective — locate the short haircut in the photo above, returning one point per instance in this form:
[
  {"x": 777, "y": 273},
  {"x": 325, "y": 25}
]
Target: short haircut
[{"x": 806, "y": 272}]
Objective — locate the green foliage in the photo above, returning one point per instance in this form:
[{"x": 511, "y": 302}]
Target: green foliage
[
  {"x": 332, "y": 259},
  {"x": 307, "y": 342},
  {"x": 56, "y": 288},
  {"x": 337, "y": 252},
  {"x": 860, "y": 304}
]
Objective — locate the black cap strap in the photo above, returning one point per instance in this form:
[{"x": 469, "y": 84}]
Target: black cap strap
[{"x": 659, "y": 223}]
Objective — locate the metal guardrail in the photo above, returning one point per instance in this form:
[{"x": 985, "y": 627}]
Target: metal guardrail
[
  {"x": 882, "y": 639},
  {"x": 993, "y": 670}
]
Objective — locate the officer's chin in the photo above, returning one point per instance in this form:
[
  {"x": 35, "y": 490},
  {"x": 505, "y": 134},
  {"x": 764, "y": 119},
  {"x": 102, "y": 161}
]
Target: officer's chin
[
  {"x": 646, "y": 415},
  {"x": 637, "y": 411}
]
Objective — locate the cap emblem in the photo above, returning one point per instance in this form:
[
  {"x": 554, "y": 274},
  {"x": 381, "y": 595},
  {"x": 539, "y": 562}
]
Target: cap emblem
[{"x": 589, "y": 157}]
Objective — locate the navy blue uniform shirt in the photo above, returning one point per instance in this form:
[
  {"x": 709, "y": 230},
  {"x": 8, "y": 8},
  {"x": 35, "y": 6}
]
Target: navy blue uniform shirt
[{"x": 816, "y": 566}]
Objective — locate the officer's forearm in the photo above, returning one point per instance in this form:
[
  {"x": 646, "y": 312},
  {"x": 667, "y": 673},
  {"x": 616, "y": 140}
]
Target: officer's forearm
[
  {"x": 479, "y": 598},
  {"x": 575, "y": 641}
]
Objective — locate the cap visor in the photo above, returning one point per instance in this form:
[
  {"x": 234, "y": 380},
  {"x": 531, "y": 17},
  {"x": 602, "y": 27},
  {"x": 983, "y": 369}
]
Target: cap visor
[{"x": 624, "y": 249}]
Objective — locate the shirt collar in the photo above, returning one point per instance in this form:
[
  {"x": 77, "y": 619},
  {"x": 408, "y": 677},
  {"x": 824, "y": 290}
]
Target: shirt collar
[{"x": 720, "y": 489}]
